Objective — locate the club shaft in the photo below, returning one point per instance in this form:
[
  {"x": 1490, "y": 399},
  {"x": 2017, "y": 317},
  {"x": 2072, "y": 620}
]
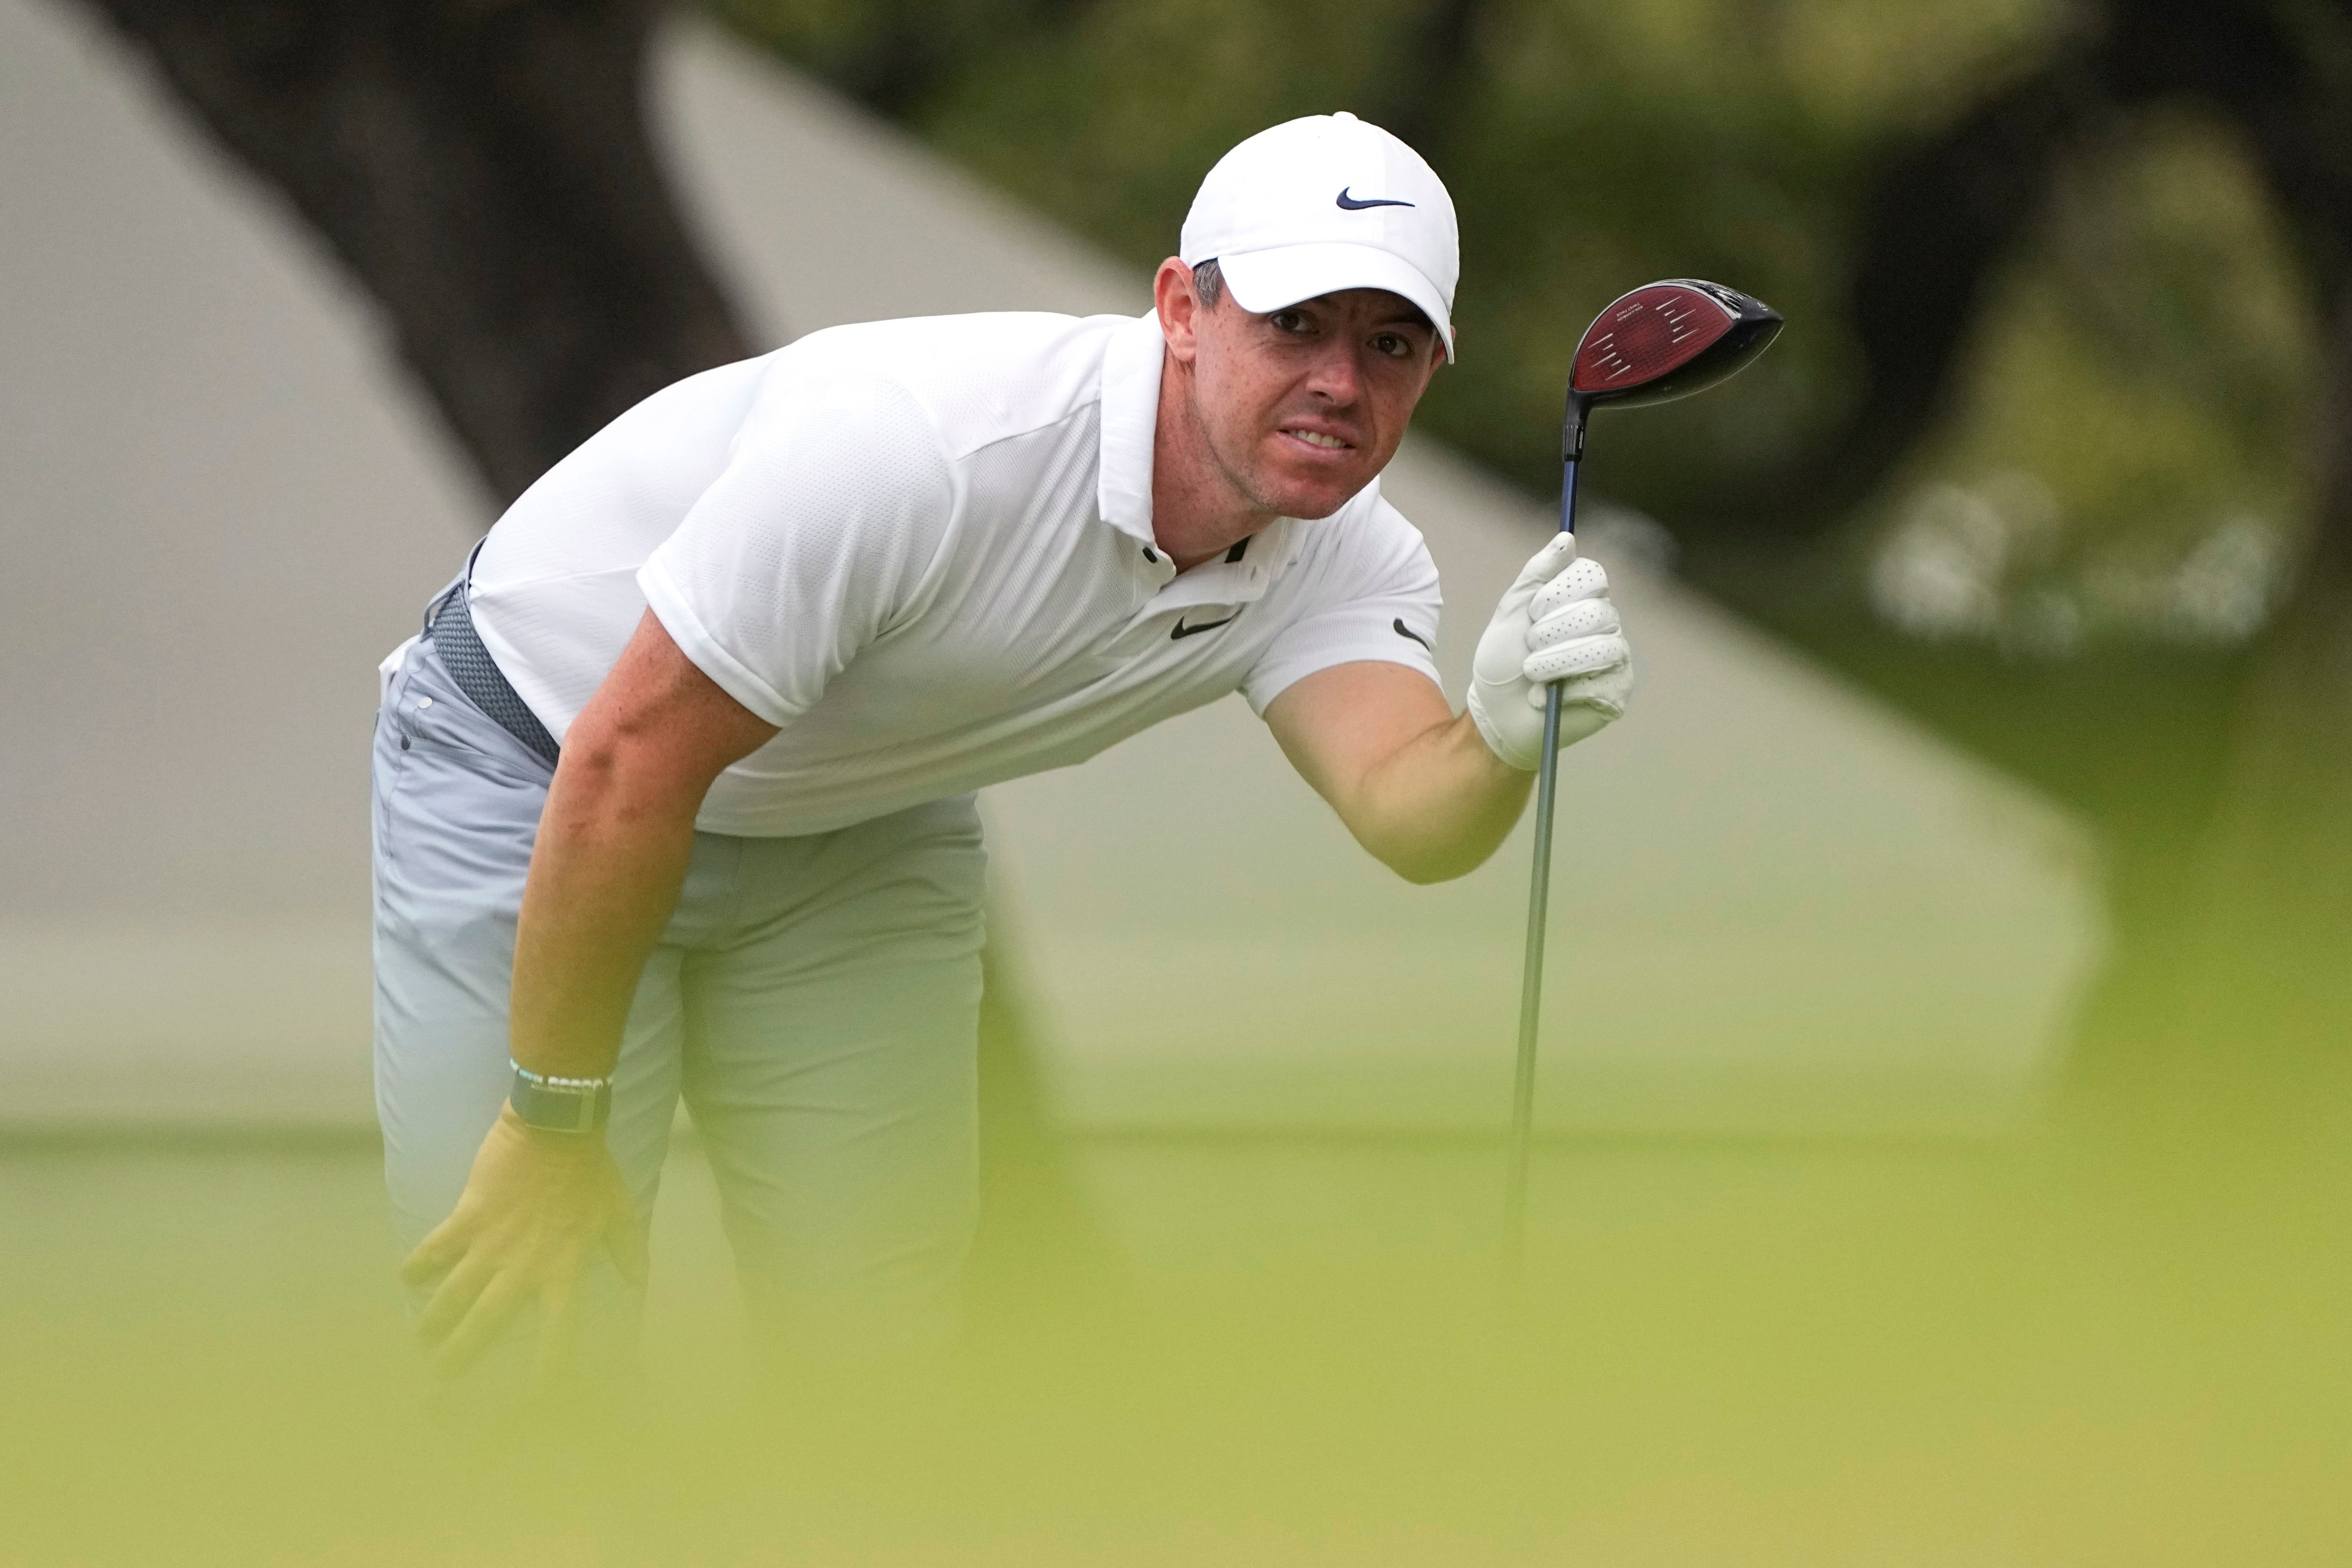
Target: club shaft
[{"x": 1523, "y": 1083}]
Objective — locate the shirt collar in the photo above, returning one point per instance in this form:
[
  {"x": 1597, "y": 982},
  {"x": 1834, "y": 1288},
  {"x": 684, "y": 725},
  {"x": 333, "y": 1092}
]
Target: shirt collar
[
  {"x": 1240, "y": 576},
  {"x": 1130, "y": 422}
]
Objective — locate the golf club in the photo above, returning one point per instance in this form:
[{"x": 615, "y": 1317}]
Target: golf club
[{"x": 1662, "y": 340}]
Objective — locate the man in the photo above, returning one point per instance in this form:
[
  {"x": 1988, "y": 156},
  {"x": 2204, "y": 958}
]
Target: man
[{"x": 675, "y": 795}]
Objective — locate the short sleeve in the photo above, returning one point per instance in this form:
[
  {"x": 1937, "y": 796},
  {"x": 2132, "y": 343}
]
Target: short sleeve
[
  {"x": 834, "y": 503},
  {"x": 1375, "y": 599}
]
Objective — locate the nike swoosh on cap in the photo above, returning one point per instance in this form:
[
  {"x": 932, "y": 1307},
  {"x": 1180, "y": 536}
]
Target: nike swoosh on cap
[
  {"x": 1353, "y": 205},
  {"x": 1185, "y": 631}
]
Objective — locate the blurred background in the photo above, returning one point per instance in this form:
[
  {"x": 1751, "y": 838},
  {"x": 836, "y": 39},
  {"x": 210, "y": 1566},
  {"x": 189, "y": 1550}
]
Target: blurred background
[{"x": 1944, "y": 1095}]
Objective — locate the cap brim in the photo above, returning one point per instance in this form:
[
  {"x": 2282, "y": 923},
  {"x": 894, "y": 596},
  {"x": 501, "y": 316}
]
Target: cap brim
[{"x": 1264, "y": 280}]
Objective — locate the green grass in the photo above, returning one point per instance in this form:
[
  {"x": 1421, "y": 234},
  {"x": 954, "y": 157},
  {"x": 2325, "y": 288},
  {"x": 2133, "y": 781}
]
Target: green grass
[{"x": 2072, "y": 1349}]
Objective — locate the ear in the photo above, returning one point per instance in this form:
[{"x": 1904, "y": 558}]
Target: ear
[{"x": 1179, "y": 308}]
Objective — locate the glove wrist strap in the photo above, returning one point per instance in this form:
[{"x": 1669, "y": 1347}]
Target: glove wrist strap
[{"x": 1489, "y": 733}]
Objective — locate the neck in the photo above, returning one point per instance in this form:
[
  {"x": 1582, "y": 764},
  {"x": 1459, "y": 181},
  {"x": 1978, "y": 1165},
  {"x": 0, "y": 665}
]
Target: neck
[{"x": 1198, "y": 511}]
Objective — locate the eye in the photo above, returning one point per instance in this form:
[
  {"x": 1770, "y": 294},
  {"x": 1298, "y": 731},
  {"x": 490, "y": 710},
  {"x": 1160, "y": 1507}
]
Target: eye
[
  {"x": 1291, "y": 320},
  {"x": 1396, "y": 345}
]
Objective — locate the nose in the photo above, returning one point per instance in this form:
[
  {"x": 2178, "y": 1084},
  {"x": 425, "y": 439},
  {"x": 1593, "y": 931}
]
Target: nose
[{"x": 1334, "y": 376}]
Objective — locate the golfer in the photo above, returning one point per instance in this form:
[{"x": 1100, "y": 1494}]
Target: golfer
[{"x": 675, "y": 794}]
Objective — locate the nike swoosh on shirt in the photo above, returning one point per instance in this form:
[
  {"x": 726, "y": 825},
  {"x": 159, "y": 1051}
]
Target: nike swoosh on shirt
[
  {"x": 1405, "y": 631},
  {"x": 1354, "y": 204},
  {"x": 1185, "y": 631}
]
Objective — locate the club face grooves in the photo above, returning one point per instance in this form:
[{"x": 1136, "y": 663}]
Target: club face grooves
[
  {"x": 1646, "y": 334},
  {"x": 1668, "y": 340}
]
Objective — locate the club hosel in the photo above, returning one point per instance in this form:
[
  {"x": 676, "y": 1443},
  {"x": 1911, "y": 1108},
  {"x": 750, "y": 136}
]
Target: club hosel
[{"x": 1571, "y": 429}]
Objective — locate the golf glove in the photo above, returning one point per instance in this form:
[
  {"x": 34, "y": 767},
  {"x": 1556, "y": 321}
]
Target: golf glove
[{"x": 1555, "y": 623}]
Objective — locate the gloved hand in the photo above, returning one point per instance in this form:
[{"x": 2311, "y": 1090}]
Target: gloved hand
[{"x": 1555, "y": 622}]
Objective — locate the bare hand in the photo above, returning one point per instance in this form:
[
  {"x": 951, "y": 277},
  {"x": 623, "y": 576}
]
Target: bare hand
[{"x": 534, "y": 1205}]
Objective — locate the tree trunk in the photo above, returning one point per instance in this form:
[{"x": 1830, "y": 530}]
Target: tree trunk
[
  {"x": 484, "y": 169},
  {"x": 2243, "y": 1010},
  {"x": 2271, "y": 1014}
]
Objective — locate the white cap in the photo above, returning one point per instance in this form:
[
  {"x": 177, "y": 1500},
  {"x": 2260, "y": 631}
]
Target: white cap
[{"x": 1315, "y": 205}]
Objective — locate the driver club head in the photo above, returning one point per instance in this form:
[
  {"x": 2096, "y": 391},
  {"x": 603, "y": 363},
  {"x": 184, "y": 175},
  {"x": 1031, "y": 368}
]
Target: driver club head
[{"x": 1661, "y": 341}]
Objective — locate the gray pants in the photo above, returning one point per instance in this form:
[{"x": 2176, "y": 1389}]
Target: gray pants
[{"x": 814, "y": 1000}]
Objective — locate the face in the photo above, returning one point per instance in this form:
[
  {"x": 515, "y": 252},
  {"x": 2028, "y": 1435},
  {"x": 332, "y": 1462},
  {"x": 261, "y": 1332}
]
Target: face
[{"x": 1301, "y": 407}]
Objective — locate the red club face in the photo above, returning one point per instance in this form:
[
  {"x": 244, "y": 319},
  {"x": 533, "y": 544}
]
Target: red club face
[{"x": 1647, "y": 335}]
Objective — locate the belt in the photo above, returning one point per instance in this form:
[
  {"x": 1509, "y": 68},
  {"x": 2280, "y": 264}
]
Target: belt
[{"x": 449, "y": 628}]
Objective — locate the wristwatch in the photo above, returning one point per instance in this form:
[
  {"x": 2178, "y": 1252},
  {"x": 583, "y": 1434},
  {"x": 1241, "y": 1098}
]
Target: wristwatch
[{"x": 561, "y": 1104}]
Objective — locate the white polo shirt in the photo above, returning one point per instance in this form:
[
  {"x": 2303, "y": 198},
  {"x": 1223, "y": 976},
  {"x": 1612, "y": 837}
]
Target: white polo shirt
[{"x": 924, "y": 549}]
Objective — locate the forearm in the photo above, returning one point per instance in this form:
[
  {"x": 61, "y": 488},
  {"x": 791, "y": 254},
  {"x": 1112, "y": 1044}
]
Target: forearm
[
  {"x": 604, "y": 877},
  {"x": 1438, "y": 806}
]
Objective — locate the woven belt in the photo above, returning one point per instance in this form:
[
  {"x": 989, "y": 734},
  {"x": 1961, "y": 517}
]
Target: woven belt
[{"x": 449, "y": 628}]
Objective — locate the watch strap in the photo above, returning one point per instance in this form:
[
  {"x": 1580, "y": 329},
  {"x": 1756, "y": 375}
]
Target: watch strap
[{"x": 561, "y": 1104}]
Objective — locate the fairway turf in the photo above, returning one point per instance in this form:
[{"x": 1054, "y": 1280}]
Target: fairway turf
[{"x": 1755, "y": 1354}]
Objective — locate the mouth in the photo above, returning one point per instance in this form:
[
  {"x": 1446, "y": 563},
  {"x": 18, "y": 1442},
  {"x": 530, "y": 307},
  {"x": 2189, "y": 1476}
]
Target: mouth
[{"x": 1318, "y": 440}]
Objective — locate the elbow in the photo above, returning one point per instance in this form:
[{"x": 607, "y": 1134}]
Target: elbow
[
  {"x": 1425, "y": 865},
  {"x": 1426, "y": 858},
  {"x": 604, "y": 785},
  {"x": 591, "y": 767}
]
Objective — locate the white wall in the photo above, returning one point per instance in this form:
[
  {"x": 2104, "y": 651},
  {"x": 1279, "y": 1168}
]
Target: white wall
[{"x": 221, "y": 505}]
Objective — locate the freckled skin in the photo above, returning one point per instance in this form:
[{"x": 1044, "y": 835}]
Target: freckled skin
[{"x": 1287, "y": 414}]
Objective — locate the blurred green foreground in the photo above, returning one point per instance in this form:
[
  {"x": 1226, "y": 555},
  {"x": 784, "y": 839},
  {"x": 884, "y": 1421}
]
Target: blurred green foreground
[
  {"x": 2059, "y": 1350},
  {"x": 2100, "y": 556}
]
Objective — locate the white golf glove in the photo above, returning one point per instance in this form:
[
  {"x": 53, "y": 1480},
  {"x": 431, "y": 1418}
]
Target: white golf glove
[{"x": 1555, "y": 622}]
